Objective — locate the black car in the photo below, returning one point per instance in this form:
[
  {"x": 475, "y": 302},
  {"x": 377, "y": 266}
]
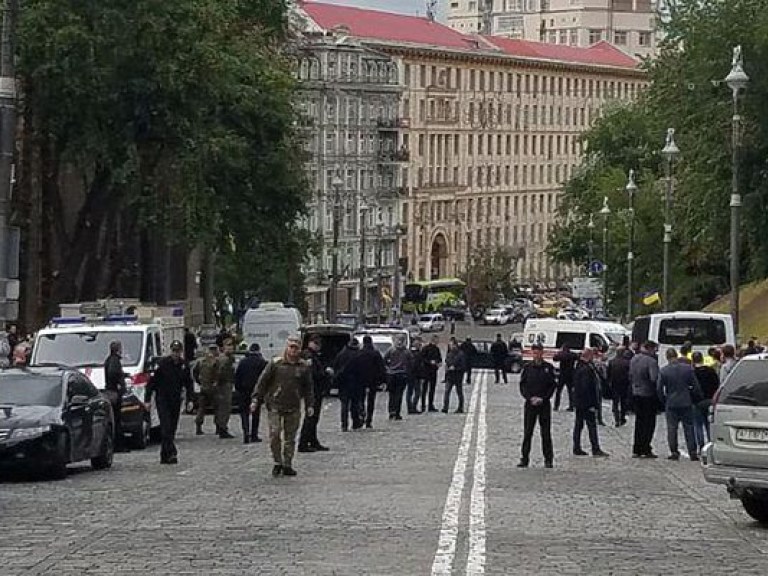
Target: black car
[
  {"x": 50, "y": 417},
  {"x": 333, "y": 339},
  {"x": 458, "y": 313},
  {"x": 513, "y": 362}
]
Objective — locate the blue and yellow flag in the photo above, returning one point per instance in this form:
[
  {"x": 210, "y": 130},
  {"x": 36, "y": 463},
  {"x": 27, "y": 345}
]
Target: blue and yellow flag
[{"x": 651, "y": 298}]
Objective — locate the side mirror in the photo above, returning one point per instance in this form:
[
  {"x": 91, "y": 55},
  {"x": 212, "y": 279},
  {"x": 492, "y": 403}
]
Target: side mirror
[{"x": 78, "y": 400}]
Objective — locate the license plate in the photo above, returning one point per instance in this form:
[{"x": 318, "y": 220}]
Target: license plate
[{"x": 752, "y": 435}]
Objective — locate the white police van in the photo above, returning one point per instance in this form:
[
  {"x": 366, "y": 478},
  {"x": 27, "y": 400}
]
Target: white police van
[{"x": 269, "y": 325}]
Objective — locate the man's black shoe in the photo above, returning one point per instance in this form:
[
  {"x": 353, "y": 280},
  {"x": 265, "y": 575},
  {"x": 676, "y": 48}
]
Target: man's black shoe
[
  {"x": 569, "y": 409},
  {"x": 459, "y": 411},
  {"x": 432, "y": 409},
  {"x": 674, "y": 456},
  {"x": 288, "y": 471},
  {"x": 600, "y": 454},
  {"x": 398, "y": 417},
  {"x": 444, "y": 410},
  {"x": 357, "y": 426},
  {"x": 522, "y": 464},
  {"x": 225, "y": 435},
  {"x": 579, "y": 452},
  {"x": 173, "y": 460},
  {"x": 199, "y": 431},
  {"x": 548, "y": 464},
  {"x": 255, "y": 439},
  {"x": 306, "y": 448},
  {"x": 277, "y": 469},
  {"x": 650, "y": 456},
  {"x": 694, "y": 458},
  {"x": 246, "y": 440},
  {"x": 637, "y": 455},
  {"x": 320, "y": 448},
  {"x": 368, "y": 425}
]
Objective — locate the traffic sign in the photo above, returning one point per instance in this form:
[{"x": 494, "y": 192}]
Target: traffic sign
[
  {"x": 596, "y": 267},
  {"x": 586, "y": 288}
]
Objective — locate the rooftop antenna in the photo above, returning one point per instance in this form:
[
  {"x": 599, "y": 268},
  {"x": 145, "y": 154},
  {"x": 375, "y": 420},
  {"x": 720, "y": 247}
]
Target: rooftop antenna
[{"x": 431, "y": 9}]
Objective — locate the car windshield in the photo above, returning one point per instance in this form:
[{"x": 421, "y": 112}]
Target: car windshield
[
  {"x": 425, "y": 319},
  {"x": 697, "y": 331},
  {"x": 26, "y": 390},
  {"x": 86, "y": 348},
  {"x": 747, "y": 384}
]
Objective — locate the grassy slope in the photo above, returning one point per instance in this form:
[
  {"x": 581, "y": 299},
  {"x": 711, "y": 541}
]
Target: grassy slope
[{"x": 753, "y": 307}]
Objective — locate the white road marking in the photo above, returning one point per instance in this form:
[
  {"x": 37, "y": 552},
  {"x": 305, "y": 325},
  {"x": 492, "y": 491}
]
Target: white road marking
[
  {"x": 449, "y": 531},
  {"x": 476, "y": 557}
]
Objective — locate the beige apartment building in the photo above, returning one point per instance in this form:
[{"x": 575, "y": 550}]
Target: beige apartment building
[
  {"x": 492, "y": 127},
  {"x": 628, "y": 24}
]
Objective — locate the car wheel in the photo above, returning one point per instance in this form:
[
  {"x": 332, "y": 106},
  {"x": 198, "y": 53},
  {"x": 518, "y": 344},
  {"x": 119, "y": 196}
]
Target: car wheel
[
  {"x": 756, "y": 506},
  {"x": 140, "y": 440},
  {"x": 104, "y": 459}
]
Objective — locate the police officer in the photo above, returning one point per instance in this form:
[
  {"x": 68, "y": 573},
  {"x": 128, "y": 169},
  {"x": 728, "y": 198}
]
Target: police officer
[
  {"x": 247, "y": 374},
  {"x": 206, "y": 373},
  {"x": 170, "y": 376},
  {"x": 282, "y": 386},
  {"x": 537, "y": 384},
  {"x": 114, "y": 384},
  {"x": 224, "y": 385},
  {"x": 321, "y": 374}
]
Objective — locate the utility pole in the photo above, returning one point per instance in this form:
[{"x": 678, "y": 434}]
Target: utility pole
[
  {"x": 332, "y": 300},
  {"x": 631, "y": 189},
  {"x": 363, "y": 214},
  {"x": 7, "y": 144}
]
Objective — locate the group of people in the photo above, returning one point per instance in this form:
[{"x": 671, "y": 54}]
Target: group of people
[
  {"x": 15, "y": 347},
  {"x": 683, "y": 389}
]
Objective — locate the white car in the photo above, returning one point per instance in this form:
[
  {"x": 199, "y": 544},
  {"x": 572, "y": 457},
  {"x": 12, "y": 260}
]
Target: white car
[
  {"x": 498, "y": 316},
  {"x": 573, "y": 314},
  {"x": 431, "y": 323}
]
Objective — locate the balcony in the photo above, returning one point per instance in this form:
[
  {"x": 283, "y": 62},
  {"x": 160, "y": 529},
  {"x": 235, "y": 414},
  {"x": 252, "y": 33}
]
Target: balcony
[
  {"x": 394, "y": 156},
  {"x": 388, "y": 124}
]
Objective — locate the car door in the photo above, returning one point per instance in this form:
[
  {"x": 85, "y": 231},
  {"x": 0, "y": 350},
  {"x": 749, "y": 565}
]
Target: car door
[
  {"x": 78, "y": 417},
  {"x": 100, "y": 416}
]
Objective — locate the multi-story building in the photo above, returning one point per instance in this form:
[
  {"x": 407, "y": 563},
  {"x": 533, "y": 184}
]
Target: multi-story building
[
  {"x": 492, "y": 125},
  {"x": 628, "y": 24},
  {"x": 349, "y": 98}
]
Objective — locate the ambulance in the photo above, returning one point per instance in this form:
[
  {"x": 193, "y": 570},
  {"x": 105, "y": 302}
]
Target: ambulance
[{"x": 553, "y": 334}]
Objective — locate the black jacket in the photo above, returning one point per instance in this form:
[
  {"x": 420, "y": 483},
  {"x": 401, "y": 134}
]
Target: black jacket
[
  {"x": 537, "y": 379},
  {"x": 499, "y": 352},
  {"x": 320, "y": 379},
  {"x": 618, "y": 372},
  {"x": 114, "y": 377},
  {"x": 708, "y": 379},
  {"x": 432, "y": 352},
  {"x": 366, "y": 368},
  {"x": 469, "y": 350},
  {"x": 421, "y": 366},
  {"x": 456, "y": 361},
  {"x": 585, "y": 386},
  {"x": 168, "y": 380},
  {"x": 567, "y": 361},
  {"x": 344, "y": 377},
  {"x": 247, "y": 373}
]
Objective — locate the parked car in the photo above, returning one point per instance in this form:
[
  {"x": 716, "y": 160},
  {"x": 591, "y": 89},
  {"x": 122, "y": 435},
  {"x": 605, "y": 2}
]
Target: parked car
[
  {"x": 51, "y": 417},
  {"x": 333, "y": 339},
  {"x": 573, "y": 313},
  {"x": 431, "y": 323},
  {"x": 483, "y": 359},
  {"x": 737, "y": 456},
  {"x": 457, "y": 312},
  {"x": 384, "y": 338},
  {"x": 496, "y": 316}
]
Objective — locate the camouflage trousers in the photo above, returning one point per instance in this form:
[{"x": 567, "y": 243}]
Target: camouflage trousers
[{"x": 282, "y": 435}]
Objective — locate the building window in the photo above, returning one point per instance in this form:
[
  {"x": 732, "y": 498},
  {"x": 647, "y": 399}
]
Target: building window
[
  {"x": 595, "y": 35},
  {"x": 574, "y": 38},
  {"x": 620, "y": 38},
  {"x": 644, "y": 39}
]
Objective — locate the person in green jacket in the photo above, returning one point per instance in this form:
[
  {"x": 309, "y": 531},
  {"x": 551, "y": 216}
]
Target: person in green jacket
[{"x": 285, "y": 382}]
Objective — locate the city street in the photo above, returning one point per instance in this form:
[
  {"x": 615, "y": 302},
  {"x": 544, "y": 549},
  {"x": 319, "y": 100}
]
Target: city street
[{"x": 433, "y": 494}]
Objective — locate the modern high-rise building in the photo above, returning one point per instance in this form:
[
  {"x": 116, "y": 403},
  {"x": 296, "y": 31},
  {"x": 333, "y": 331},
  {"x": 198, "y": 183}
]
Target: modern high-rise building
[{"x": 630, "y": 25}]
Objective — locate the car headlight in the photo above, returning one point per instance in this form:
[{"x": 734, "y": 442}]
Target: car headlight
[{"x": 29, "y": 432}]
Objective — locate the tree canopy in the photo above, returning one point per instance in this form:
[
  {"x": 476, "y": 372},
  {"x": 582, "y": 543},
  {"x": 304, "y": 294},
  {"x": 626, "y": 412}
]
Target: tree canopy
[{"x": 686, "y": 92}]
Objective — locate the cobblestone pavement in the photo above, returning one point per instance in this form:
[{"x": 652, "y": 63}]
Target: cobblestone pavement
[{"x": 433, "y": 494}]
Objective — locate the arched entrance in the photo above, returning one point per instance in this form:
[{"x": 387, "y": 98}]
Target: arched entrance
[{"x": 438, "y": 257}]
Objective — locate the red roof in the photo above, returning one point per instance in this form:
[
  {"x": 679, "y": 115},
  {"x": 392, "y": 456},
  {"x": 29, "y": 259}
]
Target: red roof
[
  {"x": 396, "y": 28},
  {"x": 386, "y": 26},
  {"x": 602, "y": 53}
]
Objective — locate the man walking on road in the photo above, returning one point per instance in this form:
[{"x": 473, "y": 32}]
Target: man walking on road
[
  {"x": 433, "y": 359},
  {"x": 470, "y": 351},
  {"x": 537, "y": 384},
  {"x": 455, "y": 364},
  {"x": 399, "y": 363},
  {"x": 643, "y": 375},
  {"x": 348, "y": 385},
  {"x": 247, "y": 374},
  {"x": 114, "y": 386},
  {"x": 585, "y": 403},
  {"x": 166, "y": 383},
  {"x": 418, "y": 379},
  {"x": 567, "y": 361},
  {"x": 321, "y": 375},
  {"x": 282, "y": 386},
  {"x": 618, "y": 380},
  {"x": 224, "y": 385},
  {"x": 499, "y": 353},
  {"x": 206, "y": 372},
  {"x": 369, "y": 371},
  {"x": 678, "y": 390}
]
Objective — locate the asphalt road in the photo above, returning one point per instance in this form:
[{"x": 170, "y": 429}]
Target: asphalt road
[{"x": 435, "y": 494}]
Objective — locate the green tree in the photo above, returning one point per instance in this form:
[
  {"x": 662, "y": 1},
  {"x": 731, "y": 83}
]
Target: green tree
[{"x": 491, "y": 272}]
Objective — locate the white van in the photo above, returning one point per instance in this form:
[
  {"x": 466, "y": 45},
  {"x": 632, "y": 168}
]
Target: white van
[
  {"x": 270, "y": 325},
  {"x": 553, "y": 334},
  {"x": 673, "y": 329}
]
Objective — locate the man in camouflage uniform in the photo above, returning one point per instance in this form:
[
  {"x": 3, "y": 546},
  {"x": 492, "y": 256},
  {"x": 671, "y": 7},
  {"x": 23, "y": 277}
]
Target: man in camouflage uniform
[
  {"x": 285, "y": 382},
  {"x": 207, "y": 374},
  {"x": 225, "y": 385}
]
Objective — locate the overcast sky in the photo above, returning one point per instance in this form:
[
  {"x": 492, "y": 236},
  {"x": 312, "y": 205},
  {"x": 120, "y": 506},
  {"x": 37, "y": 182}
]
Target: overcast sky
[{"x": 404, "y": 6}]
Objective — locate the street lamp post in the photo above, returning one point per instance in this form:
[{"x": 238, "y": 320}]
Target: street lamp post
[
  {"x": 605, "y": 213},
  {"x": 631, "y": 188},
  {"x": 337, "y": 183},
  {"x": 590, "y": 256},
  {"x": 670, "y": 152},
  {"x": 363, "y": 223},
  {"x": 737, "y": 80}
]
